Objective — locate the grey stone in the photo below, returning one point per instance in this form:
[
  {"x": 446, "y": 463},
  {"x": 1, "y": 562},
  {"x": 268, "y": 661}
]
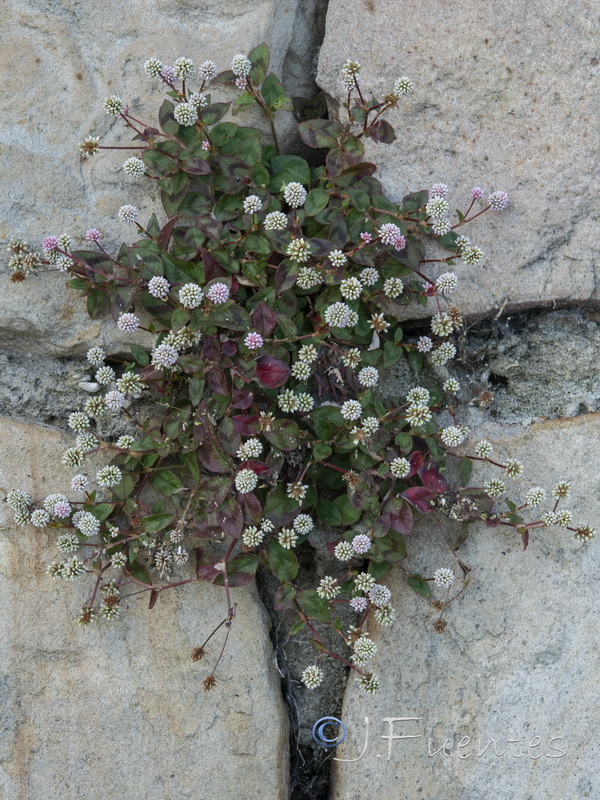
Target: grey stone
[
  {"x": 505, "y": 98},
  {"x": 516, "y": 661},
  {"x": 118, "y": 709}
]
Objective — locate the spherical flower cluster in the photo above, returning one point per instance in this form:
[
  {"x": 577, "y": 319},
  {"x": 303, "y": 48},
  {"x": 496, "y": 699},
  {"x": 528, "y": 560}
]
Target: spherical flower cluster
[
  {"x": 246, "y": 481},
  {"x": 186, "y": 114},
  {"x": 305, "y": 402},
  {"x": 424, "y": 344},
  {"x": 250, "y": 449},
  {"x": 562, "y": 490},
  {"x": 78, "y": 421},
  {"x": 370, "y": 425},
  {"x": 328, "y": 588},
  {"x": 108, "y": 476},
  {"x": 343, "y": 551},
  {"x": 159, "y": 287},
  {"x": 114, "y": 106},
  {"x": 287, "y": 538},
  {"x": 498, "y": 201},
  {"x": 513, "y": 468},
  {"x": 72, "y": 457},
  {"x": 301, "y": 370},
  {"x": 361, "y": 544},
  {"x": 495, "y": 487},
  {"x": 115, "y": 400},
  {"x": 241, "y": 66},
  {"x": 105, "y": 375},
  {"x": 439, "y": 190},
  {"x": 253, "y": 340},
  {"x": 437, "y": 207},
  {"x": 444, "y": 353},
  {"x": 484, "y": 449},
  {"x": 418, "y": 415},
  {"x": 393, "y": 287},
  {"x": 79, "y": 483},
  {"x": 253, "y": 536},
  {"x": 307, "y": 278},
  {"x": 312, "y": 677},
  {"x": 287, "y": 401},
  {"x": 125, "y": 442},
  {"x": 563, "y": 518},
  {"x": 535, "y": 496},
  {"x": 68, "y": 543},
  {"x": 443, "y": 578},
  {"x": 351, "y": 410},
  {"x": 418, "y": 395},
  {"x": 130, "y": 383},
  {"x": 379, "y": 595},
  {"x": 303, "y": 524},
  {"x": 369, "y": 683},
  {"x": 86, "y": 523},
  {"x": 385, "y": 615},
  {"x": 369, "y": 276},
  {"x": 338, "y": 315},
  {"x": 134, "y": 167},
  {"x": 446, "y": 283},
  {"x": 442, "y": 324},
  {"x": 198, "y": 100},
  {"x": 153, "y": 67},
  {"x": 49, "y": 502},
  {"x": 49, "y": 244},
  {"x": 390, "y": 234},
  {"x": 190, "y": 295},
  {"x": 72, "y": 568},
  {"x": 452, "y": 436},
  {"x": 128, "y": 323},
  {"x": 294, "y": 194},
  {"x": 350, "y": 288},
  {"x": 118, "y": 560},
  {"x": 128, "y": 213},
  {"x": 276, "y": 221},
  {"x": 400, "y": 467},
  {"x": 218, "y": 293},
  {"x": 585, "y": 533},
  {"x": 477, "y": 193},
  {"x": 440, "y": 227},
  {"x": 164, "y": 356},
  {"x": 184, "y": 68},
  {"x": 93, "y": 236},
  {"x": 368, "y": 376},
  {"x": 403, "y": 85},
  {"x": 96, "y": 356},
  {"x": 207, "y": 70},
  {"x": 364, "y": 649},
  {"x": 252, "y": 204},
  {"x": 451, "y": 386},
  {"x": 337, "y": 258},
  {"x": 40, "y": 518},
  {"x": 359, "y": 604},
  {"x": 472, "y": 255},
  {"x": 299, "y": 250}
]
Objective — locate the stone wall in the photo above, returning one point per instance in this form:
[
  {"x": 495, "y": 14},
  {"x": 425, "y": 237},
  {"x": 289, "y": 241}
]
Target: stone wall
[{"x": 504, "y": 98}]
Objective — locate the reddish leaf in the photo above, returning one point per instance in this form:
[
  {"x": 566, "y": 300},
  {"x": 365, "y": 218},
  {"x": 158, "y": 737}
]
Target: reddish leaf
[
  {"x": 433, "y": 481},
  {"x": 212, "y": 268},
  {"x": 213, "y": 458},
  {"x": 382, "y": 131},
  {"x": 240, "y": 570},
  {"x": 251, "y": 508},
  {"x": 242, "y": 398},
  {"x": 217, "y": 381},
  {"x": 206, "y": 572},
  {"x": 153, "y": 598},
  {"x": 525, "y": 539},
  {"x": 284, "y": 597},
  {"x": 165, "y": 234},
  {"x": 419, "y": 497},
  {"x": 271, "y": 371},
  {"x": 246, "y": 425},
  {"x": 264, "y": 319},
  {"x": 211, "y": 348},
  {"x": 416, "y": 462},
  {"x": 396, "y": 516},
  {"x": 256, "y": 466},
  {"x": 229, "y": 517},
  {"x": 229, "y": 348}
]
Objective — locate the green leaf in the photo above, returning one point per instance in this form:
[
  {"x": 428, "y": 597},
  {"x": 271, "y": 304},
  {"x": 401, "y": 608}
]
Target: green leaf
[
  {"x": 156, "y": 522},
  {"x": 319, "y": 132},
  {"x": 316, "y": 201},
  {"x": 392, "y": 353},
  {"x": 166, "y": 482},
  {"x": 286, "y": 169},
  {"x": 297, "y": 627},
  {"x": 320, "y": 451},
  {"x": 139, "y": 572},
  {"x": 282, "y": 561},
  {"x": 415, "y": 361},
  {"x": 101, "y": 511},
  {"x": 214, "y": 113},
  {"x": 466, "y": 469},
  {"x": 273, "y": 93},
  {"x": 314, "y": 606},
  {"x": 328, "y": 512},
  {"x": 78, "y": 283},
  {"x": 241, "y": 103},
  {"x": 350, "y": 514},
  {"x": 196, "y": 389},
  {"x": 222, "y": 133},
  {"x": 97, "y": 301},
  {"x": 259, "y": 57},
  {"x": 419, "y": 584}
]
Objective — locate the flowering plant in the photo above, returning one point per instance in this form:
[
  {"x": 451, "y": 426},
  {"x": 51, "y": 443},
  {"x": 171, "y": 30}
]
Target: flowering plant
[{"x": 274, "y": 293}]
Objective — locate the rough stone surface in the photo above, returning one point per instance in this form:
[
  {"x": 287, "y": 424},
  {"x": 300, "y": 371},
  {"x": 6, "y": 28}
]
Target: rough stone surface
[
  {"x": 118, "y": 709},
  {"x": 517, "y": 659},
  {"x": 63, "y": 58},
  {"x": 505, "y": 98}
]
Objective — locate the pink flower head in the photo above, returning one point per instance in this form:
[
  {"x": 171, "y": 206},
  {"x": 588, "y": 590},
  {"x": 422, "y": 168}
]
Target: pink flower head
[
  {"x": 439, "y": 190},
  {"x": 253, "y": 340},
  {"x": 205, "y": 145},
  {"x": 128, "y": 323},
  {"x": 366, "y": 237},
  {"x": 498, "y": 201},
  {"x": 359, "y": 603},
  {"x": 218, "y": 293},
  {"x": 93, "y": 235},
  {"x": 361, "y": 544},
  {"x": 389, "y": 233},
  {"x": 477, "y": 193},
  {"x": 240, "y": 82},
  {"x": 49, "y": 244},
  {"x": 62, "y": 509},
  {"x": 168, "y": 74},
  {"x": 400, "y": 242}
]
